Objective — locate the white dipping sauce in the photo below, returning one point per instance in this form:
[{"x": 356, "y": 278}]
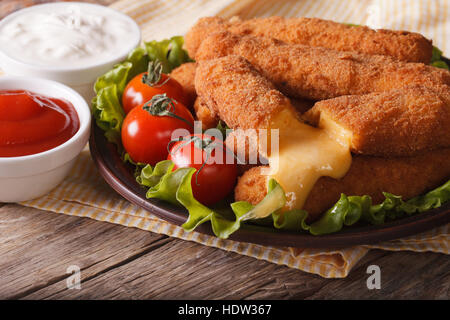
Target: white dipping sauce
[{"x": 68, "y": 36}]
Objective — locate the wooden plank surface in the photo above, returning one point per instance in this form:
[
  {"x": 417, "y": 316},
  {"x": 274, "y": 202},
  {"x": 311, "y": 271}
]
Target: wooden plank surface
[{"x": 37, "y": 247}]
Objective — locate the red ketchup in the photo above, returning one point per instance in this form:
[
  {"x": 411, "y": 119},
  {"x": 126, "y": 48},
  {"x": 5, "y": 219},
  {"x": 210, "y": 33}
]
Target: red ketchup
[{"x": 31, "y": 123}]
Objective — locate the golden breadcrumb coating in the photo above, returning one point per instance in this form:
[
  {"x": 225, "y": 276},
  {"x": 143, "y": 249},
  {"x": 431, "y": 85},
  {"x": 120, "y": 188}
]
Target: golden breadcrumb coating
[
  {"x": 400, "y": 122},
  {"x": 202, "y": 28},
  {"x": 402, "y": 108},
  {"x": 402, "y": 45},
  {"x": 407, "y": 177},
  {"x": 185, "y": 75},
  {"x": 205, "y": 115},
  {"x": 234, "y": 90},
  {"x": 317, "y": 73},
  {"x": 245, "y": 142},
  {"x": 210, "y": 120}
]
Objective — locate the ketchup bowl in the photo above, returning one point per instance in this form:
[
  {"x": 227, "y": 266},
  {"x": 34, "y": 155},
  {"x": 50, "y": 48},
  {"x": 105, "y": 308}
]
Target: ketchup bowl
[{"x": 30, "y": 176}]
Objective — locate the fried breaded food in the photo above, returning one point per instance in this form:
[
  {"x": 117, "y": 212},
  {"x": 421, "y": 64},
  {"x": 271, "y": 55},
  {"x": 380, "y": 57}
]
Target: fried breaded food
[
  {"x": 394, "y": 123},
  {"x": 403, "y": 108},
  {"x": 245, "y": 145},
  {"x": 407, "y": 177},
  {"x": 201, "y": 29},
  {"x": 243, "y": 98},
  {"x": 301, "y": 105},
  {"x": 245, "y": 142},
  {"x": 205, "y": 115},
  {"x": 402, "y": 45},
  {"x": 234, "y": 90},
  {"x": 210, "y": 120},
  {"x": 400, "y": 122},
  {"x": 185, "y": 75},
  {"x": 317, "y": 73}
]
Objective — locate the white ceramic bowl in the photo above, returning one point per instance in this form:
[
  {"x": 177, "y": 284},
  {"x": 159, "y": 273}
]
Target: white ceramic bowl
[
  {"x": 28, "y": 177},
  {"x": 81, "y": 79}
]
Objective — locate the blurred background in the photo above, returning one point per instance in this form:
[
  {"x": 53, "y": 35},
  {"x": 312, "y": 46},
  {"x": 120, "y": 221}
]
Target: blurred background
[
  {"x": 8, "y": 6},
  {"x": 164, "y": 18}
]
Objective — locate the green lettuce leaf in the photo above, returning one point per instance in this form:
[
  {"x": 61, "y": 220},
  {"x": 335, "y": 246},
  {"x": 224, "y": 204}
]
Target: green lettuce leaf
[
  {"x": 175, "y": 187},
  {"x": 169, "y": 52},
  {"x": 150, "y": 177},
  {"x": 106, "y": 105},
  {"x": 108, "y": 113},
  {"x": 349, "y": 210},
  {"x": 107, "y": 108},
  {"x": 436, "y": 59},
  {"x": 222, "y": 127},
  {"x": 436, "y": 54},
  {"x": 440, "y": 64}
]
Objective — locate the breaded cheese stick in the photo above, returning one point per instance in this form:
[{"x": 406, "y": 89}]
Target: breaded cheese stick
[
  {"x": 205, "y": 114},
  {"x": 317, "y": 73},
  {"x": 394, "y": 123},
  {"x": 185, "y": 75},
  {"x": 210, "y": 120},
  {"x": 407, "y": 177},
  {"x": 401, "y": 45},
  {"x": 234, "y": 90},
  {"x": 245, "y": 143},
  {"x": 400, "y": 122}
]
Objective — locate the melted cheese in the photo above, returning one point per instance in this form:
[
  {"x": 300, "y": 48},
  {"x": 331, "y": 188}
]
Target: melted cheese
[{"x": 305, "y": 154}]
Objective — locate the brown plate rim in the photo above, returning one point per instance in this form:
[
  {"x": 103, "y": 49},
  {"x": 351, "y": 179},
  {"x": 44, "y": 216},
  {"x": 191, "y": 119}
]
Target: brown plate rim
[{"x": 120, "y": 177}]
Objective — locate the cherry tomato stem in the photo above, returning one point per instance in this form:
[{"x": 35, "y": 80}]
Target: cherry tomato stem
[{"x": 146, "y": 136}]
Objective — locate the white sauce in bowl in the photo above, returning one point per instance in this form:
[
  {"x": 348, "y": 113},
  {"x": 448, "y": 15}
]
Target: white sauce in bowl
[{"x": 66, "y": 35}]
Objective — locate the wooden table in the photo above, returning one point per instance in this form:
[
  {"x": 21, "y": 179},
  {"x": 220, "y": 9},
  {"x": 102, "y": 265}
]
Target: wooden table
[
  {"x": 38, "y": 247},
  {"x": 116, "y": 262}
]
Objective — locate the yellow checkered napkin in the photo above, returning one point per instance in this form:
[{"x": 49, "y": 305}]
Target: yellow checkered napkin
[{"x": 84, "y": 193}]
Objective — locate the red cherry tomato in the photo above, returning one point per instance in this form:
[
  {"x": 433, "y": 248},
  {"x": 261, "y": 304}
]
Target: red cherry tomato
[
  {"x": 214, "y": 178},
  {"x": 137, "y": 92},
  {"x": 145, "y": 136}
]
